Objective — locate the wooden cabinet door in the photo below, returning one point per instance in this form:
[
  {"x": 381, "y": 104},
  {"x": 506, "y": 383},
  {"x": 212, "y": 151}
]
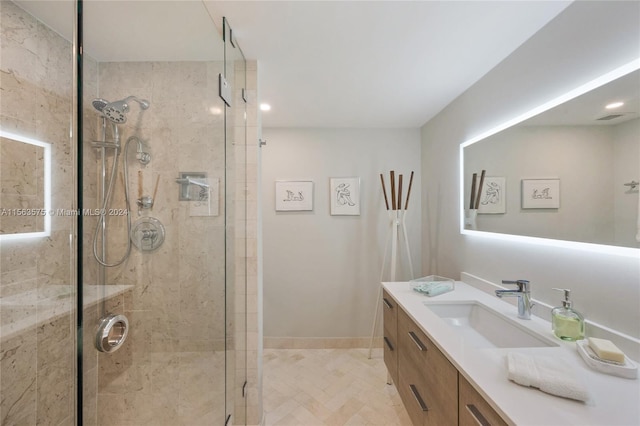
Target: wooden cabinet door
[
  {"x": 422, "y": 364},
  {"x": 412, "y": 388},
  {"x": 473, "y": 410},
  {"x": 390, "y": 335}
]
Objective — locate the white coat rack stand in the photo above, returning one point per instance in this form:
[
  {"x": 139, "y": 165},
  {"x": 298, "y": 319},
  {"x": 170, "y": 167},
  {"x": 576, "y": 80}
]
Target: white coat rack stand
[{"x": 397, "y": 229}]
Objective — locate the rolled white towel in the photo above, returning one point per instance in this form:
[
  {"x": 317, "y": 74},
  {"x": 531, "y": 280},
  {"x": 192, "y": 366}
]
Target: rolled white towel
[{"x": 551, "y": 375}]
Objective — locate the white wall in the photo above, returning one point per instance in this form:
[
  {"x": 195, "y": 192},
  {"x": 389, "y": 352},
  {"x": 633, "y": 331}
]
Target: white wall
[
  {"x": 626, "y": 167},
  {"x": 585, "y": 41},
  {"x": 322, "y": 272}
]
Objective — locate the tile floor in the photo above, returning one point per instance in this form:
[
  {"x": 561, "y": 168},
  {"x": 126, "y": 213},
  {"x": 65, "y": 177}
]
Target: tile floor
[{"x": 313, "y": 387}]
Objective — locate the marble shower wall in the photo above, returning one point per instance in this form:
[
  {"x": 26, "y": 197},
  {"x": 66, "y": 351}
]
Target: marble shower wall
[
  {"x": 248, "y": 410},
  {"x": 169, "y": 370},
  {"x": 37, "y": 356}
]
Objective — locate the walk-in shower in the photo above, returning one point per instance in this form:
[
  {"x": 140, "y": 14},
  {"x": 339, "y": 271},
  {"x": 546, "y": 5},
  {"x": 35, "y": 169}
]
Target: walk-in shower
[{"x": 100, "y": 324}]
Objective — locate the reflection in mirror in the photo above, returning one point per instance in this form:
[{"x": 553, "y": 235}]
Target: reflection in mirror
[
  {"x": 563, "y": 174},
  {"x": 25, "y": 187}
]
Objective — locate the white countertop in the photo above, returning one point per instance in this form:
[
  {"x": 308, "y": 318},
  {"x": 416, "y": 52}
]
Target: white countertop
[{"x": 615, "y": 400}]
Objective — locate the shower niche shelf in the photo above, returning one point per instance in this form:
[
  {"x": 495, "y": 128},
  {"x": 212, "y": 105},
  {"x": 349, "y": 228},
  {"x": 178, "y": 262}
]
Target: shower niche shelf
[{"x": 60, "y": 302}]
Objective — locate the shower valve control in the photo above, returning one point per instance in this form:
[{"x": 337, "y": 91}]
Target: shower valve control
[
  {"x": 143, "y": 157},
  {"x": 145, "y": 202},
  {"x": 147, "y": 234}
]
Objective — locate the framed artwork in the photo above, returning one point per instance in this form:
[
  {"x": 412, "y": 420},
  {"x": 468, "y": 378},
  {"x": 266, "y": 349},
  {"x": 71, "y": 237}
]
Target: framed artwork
[
  {"x": 493, "y": 196},
  {"x": 540, "y": 193},
  {"x": 345, "y": 196},
  {"x": 294, "y": 195}
]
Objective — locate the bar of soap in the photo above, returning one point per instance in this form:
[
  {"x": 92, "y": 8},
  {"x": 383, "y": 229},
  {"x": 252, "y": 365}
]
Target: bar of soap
[{"x": 605, "y": 349}]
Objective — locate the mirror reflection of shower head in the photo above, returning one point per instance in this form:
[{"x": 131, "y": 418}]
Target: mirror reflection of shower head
[{"x": 116, "y": 111}]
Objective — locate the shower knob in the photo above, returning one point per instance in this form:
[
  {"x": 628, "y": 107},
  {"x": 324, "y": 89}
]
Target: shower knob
[
  {"x": 143, "y": 157},
  {"x": 145, "y": 202},
  {"x": 147, "y": 234},
  {"x": 112, "y": 332}
]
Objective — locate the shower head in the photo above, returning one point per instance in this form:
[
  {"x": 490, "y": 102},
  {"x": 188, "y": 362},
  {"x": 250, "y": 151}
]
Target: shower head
[
  {"x": 116, "y": 111},
  {"x": 99, "y": 104}
]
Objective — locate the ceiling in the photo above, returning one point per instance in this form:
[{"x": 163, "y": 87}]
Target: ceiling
[
  {"x": 375, "y": 63},
  {"x": 589, "y": 109},
  {"x": 135, "y": 30},
  {"x": 366, "y": 64}
]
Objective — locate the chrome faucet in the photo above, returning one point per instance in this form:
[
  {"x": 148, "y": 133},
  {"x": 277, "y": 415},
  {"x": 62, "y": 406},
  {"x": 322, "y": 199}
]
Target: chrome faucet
[{"x": 524, "y": 297}]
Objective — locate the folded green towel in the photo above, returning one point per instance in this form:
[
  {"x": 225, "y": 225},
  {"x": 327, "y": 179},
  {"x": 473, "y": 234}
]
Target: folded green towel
[{"x": 433, "y": 288}]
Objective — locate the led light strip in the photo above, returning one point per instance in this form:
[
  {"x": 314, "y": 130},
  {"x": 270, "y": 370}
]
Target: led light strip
[
  {"x": 598, "y": 248},
  {"x": 47, "y": 187}
]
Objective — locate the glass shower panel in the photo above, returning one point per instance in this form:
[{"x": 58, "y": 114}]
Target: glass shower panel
[
  {"x": 236, "y": 293},
  {"x": 37, "y": 213},
  {"x": 155, "y": 186}
]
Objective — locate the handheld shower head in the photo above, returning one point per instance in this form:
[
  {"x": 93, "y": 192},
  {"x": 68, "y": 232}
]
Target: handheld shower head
[
  {"x": 99, "y": 104},
  {"x": 116, "y": 111}
]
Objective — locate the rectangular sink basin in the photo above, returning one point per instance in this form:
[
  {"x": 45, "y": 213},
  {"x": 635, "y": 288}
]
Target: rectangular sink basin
[{"x": 483, "y": 327}]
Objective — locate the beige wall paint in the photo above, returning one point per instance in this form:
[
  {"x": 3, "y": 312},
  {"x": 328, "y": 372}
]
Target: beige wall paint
[{"x": 585, "y": 41}]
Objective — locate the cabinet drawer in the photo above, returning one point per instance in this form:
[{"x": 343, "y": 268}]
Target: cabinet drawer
[
  {"x": 412, "y": 389},
  {"x": 390, "y": 335},
  {"x": 389, "y": 313},
  {"x": 418, "y": 356},
  {"x": 473, "y": 410},
  {"x": 414, "y": 343},
  {"x": 391, "y": 356}
]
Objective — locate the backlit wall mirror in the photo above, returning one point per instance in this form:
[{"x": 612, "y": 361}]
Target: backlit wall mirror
[
  {"x": 25, "y": 190},
  {"x": 565, "y": 171}
]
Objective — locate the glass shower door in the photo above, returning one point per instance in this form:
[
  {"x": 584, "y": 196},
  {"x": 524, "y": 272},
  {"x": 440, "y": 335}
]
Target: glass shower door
[
  {"x": 155, "y": 244},
  {"x": 234, "y": 74},
  {"x": 37, "y": 214}
]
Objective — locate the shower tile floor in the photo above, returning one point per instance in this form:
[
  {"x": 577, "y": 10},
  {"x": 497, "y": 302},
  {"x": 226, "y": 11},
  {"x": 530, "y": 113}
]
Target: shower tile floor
[{"x": 309, "y": 387}]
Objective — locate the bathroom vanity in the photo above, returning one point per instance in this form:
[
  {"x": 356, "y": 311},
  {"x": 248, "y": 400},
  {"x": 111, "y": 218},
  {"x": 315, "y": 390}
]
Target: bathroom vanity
[{"x": 447, "y": 374}]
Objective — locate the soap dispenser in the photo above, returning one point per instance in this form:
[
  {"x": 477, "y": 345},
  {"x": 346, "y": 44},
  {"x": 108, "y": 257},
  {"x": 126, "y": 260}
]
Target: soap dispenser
[{"x": 566, "y": 322}]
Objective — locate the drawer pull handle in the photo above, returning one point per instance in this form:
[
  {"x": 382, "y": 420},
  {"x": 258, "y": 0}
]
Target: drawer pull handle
[
  {"x": 386, "y": 340},
  {"x": 418, "y": 398},
  {"x": 387, "y": 303},
  {"x": 477, "y": 415},
  {"x": 417, "y": 341}
]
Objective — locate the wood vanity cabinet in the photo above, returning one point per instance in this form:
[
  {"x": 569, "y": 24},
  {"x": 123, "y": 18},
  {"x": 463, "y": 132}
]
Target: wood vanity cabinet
[
  {"x": 473, "y": 410},
  {"x": 432, "y": 390},
  {"x": 427, "y": 381},
  {"x": 390, "y": 335}
]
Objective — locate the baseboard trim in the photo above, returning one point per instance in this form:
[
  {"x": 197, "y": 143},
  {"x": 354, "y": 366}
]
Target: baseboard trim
[{"x": 320, "y": 342}]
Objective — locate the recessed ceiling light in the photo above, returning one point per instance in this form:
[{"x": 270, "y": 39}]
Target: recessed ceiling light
[
  {"x": 265, "y": 107},
  {"x": 614, "y": 105}
]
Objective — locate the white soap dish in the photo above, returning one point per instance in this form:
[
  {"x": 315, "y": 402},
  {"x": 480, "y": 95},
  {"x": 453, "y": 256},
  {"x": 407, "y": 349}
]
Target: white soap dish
[{"x": 628, "y": 370}]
